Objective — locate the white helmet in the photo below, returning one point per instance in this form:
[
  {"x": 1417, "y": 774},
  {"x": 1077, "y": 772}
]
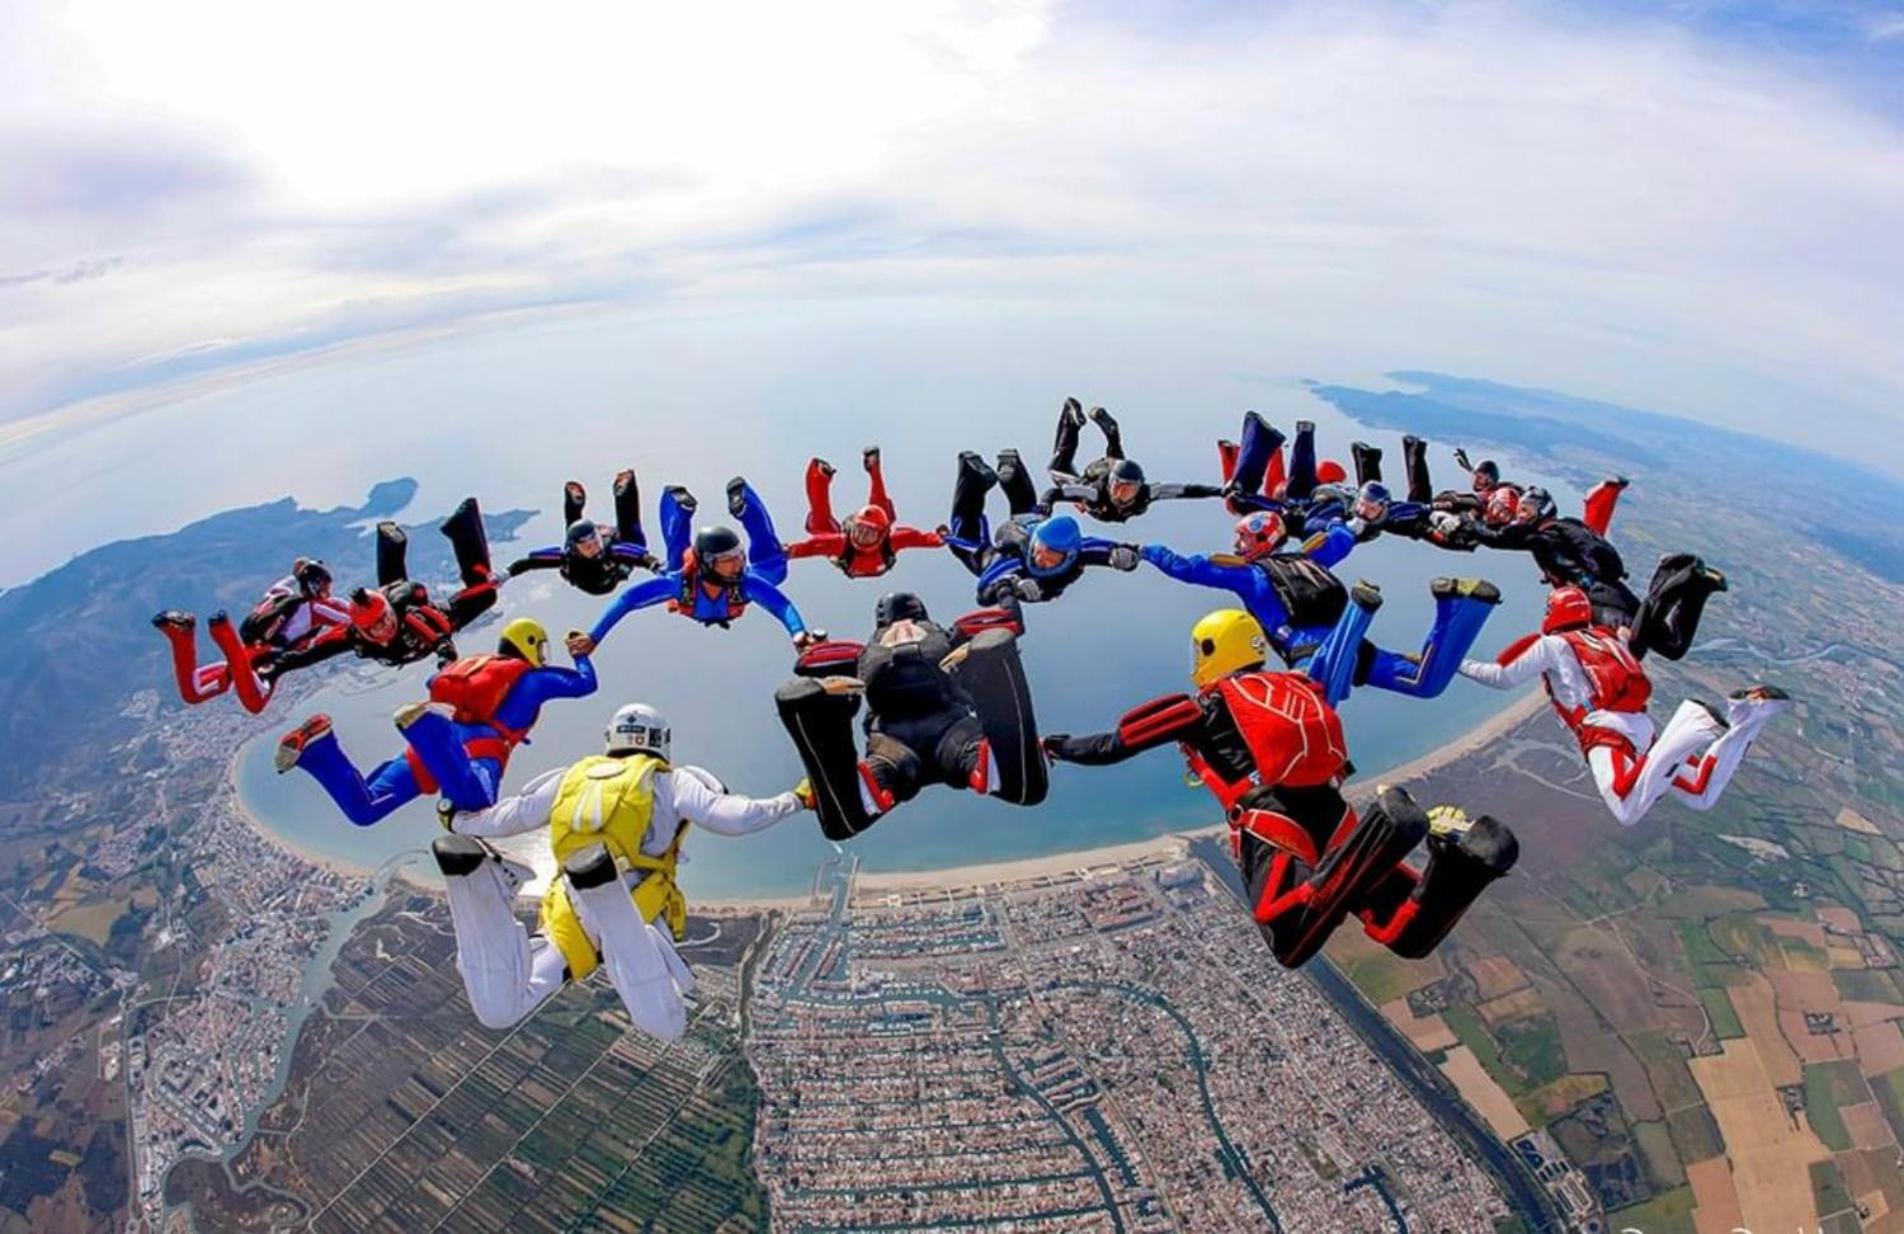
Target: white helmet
[{"x": 639, "y": 729}]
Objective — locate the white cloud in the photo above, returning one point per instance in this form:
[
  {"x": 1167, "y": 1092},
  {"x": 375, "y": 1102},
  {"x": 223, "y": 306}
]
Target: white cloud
[{"x": 1621, "y": 211}]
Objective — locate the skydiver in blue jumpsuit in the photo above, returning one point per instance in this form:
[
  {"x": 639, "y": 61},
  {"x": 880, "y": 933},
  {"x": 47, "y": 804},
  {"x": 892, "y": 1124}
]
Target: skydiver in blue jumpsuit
[
  {"x": 496, "y": 701},
  {"x": 710, "y": 577},
  {"x": 1034, "y": 556},
  {"x": 1306, "y": 612}
]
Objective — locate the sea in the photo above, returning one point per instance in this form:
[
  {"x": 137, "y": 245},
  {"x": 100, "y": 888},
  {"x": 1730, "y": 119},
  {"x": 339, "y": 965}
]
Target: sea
[{"x": 511, "y": 410}]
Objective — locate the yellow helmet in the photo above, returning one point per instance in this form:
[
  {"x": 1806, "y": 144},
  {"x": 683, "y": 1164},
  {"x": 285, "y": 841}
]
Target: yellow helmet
[
  {"x": 525, "y": 637},
  {"x": 1225, "y": 642}
]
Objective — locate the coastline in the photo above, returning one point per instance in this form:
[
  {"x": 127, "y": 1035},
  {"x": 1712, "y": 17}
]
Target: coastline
[
  {"x": 245, "y": 815},
  {"x": 1048, "y": 866}
]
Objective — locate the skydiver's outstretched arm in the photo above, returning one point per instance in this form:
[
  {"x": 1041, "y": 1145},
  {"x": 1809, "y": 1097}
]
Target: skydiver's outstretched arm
[
  {"x": 527, "y": 811},
  {"x": 1180, "y": 492},
  {"x": 1518, "y": 664},
  {"x": 821, "y": 544},
  {"x": 1329, "y": 544},
  {"x": 913, "y": 537},
  {"x": 759, "y": 591},
  {"x": 1233, "y": 575},
  {"x": 333, "y": 642},
  {"x": 1163, "y": 721},
  {"x": 689, "y": 796},
  {"x": 538, "y": 559},
  {"x": 645, "y": 594}
]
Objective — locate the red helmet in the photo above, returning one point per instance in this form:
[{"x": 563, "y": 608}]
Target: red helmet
[
  {"x": 1328, "y": 471},
  {"x": 370, "y": 609},
  {"x": 1502, "y": 504},
  {"x": 868, "y": 526},
  {"x": 1259, "y": 534},
  {"x": 1567, "y": 609}
]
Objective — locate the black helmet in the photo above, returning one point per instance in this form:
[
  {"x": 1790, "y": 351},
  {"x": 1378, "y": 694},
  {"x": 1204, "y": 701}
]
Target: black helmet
[
  {"x": 1488, "y": 472},
  {"x": 713, "y": 541},
  {"x": 1126, "y": 471},
  {"x": 717, "y": 551},
  {"x": 898, "y": 606},
  {"x": 582, "y": 531},
  {"x": 311, "y": 575},
  {"x": 1536, "y": 503}
]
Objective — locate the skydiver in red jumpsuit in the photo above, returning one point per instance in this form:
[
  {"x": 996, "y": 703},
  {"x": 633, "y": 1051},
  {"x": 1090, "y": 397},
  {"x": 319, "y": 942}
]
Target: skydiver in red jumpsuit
[
  {"x": 865, "y": 543},
  {"x": 1271, "y": 751}
]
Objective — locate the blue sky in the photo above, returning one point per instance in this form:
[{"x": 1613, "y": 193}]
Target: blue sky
[{"x": 1690, "y": 207}]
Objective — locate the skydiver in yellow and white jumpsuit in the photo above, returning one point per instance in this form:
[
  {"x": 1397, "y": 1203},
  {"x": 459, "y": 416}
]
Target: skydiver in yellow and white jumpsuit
[{"x": 616, "y": 823}]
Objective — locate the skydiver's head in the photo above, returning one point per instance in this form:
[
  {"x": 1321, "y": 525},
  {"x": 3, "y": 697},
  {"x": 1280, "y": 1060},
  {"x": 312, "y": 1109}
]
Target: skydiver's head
[
  {"x": 868, "y": 527},
  {"x": 313, "y": 577},
  {"x": 1223, "y": 643},
  {"x": 638, "y": 729},
  {"x": 524, "y": 639},
  {"x": 1125, "y": 482},
  {"x": 1536, "y": 504},
  {"x": 1328, "y": 471},
  {"x": 718, "y": 554},
  {"x": 1054, "y": 545},
  {"x": 584, "y": 539},
  {"x": 1502, "y": 503},
  {"x": 898, "y": 606},
  {"x": 372, "y": 616},
  {"x": 1568, "y": 608},
  {"x": 1259, "y": 534},
  {"x": 1372, "y": 503},
  {"x": 1487, "y": 476}
]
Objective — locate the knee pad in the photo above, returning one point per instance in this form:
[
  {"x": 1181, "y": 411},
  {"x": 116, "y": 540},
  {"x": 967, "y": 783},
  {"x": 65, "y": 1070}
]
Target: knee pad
[{"x": 590, "y": 867}]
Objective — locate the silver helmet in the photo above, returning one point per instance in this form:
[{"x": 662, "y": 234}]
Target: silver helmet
[{"x": 639, "y": 729}]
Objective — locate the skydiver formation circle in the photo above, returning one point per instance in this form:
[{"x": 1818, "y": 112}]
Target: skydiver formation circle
[{"x": 950, "y": 703}]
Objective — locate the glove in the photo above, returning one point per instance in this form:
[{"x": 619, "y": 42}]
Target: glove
[
  {"x": 1028, "y": 590},
  {"x": 803, "y": 791},
  {"x": 1124, "y": 557},
  {"x": 1051, "y": 744},
  {"x": 1444, "y": 522},
  {"x": 1461, "y": 457},
  {"x": 807, "y": 638}
]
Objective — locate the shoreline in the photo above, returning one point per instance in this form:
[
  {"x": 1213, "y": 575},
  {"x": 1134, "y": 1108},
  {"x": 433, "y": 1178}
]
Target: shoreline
[{"x": 1049, "y": 865}]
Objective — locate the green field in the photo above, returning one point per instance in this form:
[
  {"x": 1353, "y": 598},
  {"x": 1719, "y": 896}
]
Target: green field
[
  {"x": 1828, "y": 1188},
  {"x": 1696, "y": 1134},
  {"x": 1866, "y": 985},
  {"x": 1522, "y": 1055},
  {"x": 1667, "y": 1213},
  {"x": 1725, "y": 1020},
  {"x": 1828, "y": 1088}
]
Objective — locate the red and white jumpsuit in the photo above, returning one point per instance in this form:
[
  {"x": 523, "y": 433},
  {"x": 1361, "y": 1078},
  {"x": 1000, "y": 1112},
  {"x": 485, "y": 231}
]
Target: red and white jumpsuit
[{"x": 1600, "y": 692}]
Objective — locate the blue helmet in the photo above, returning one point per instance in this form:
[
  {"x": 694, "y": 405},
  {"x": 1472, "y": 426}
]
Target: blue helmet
[
  {"x": 1372, "y": 502},
  {"x": 1055, "y": 535}
]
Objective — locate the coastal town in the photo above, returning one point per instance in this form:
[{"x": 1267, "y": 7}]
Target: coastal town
[{"x": 1105, "y": 1049}]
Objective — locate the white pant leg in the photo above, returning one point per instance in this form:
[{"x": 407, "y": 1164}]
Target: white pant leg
[
  {"x": 636, "y": 957},
  {"x": 507, "y": 973},
  {"x": 1690, "y": 729},
  {"x": 1713, "y": 770}
]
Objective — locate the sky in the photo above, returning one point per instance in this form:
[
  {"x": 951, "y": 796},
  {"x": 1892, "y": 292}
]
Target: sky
[{"x": 1692, "y": 207}]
